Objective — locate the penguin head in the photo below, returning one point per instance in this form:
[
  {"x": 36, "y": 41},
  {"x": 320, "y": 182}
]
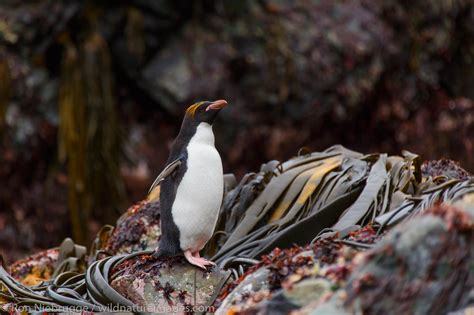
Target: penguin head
[{"x": 205, "y": 111}]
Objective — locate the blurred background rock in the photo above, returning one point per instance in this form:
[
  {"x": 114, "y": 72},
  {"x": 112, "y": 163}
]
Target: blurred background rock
[{"x": 92, "y": 94}]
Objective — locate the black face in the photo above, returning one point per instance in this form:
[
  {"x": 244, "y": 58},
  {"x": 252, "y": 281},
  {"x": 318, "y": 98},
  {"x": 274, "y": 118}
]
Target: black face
[{"x": 205, "y": 111}]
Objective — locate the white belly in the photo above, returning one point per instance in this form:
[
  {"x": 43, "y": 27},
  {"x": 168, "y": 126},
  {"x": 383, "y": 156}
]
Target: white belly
[{"x": 199, "y": 194}]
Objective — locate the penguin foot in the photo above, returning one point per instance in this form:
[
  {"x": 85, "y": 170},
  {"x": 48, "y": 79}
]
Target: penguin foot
[
  {"x": 204, "y": 260},
  {"x": 196, "y": 260}
]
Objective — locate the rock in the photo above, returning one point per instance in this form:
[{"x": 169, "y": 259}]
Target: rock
[
  {"x": 175, "y": 74},
  {"x": 305, "y": 291},
  {"x": 288, "y": 279},
  {"x": 167, "y": 284},
  {"x": 35, "y": 268},
  {"x": 334, "y": 307},
  {"x": 423, "y": 266},
  {"x": 465, "y": 311},
  {"x": 137, "y": 229},
  {"x": 253, "y": 283},
  {"x": 295, "y": 297},
  {"x": 46, "y": 264},
  {"x": 445, "y": 168}
]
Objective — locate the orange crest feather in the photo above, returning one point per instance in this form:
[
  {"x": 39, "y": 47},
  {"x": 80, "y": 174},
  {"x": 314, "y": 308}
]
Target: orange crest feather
[{"x": 193, "y": 108}]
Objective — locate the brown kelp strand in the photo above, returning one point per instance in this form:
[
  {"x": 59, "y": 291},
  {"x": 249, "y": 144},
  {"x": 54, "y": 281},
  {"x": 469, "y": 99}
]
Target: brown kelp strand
[
  {"x": 89, "y": 133},
  {"x": 104, "y": 135},
  {"x": 72, "y": 144}
]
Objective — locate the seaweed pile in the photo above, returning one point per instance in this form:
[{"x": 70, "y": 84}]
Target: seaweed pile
[
  {"x": 322, "y": 231},
  {"x": 320, "y": 194}
]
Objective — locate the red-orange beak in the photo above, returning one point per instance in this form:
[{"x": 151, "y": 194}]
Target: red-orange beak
[{"x": 220, "y": 104}]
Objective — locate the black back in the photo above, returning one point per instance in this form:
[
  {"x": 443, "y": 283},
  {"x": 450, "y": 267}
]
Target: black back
[
  {"x": 169, "y": 242},
  {"x": 195, "y": 114}
]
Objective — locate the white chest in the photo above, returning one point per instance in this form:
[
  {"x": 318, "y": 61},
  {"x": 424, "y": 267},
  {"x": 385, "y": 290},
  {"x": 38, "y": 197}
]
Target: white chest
[{"x": 199, "y": 194}]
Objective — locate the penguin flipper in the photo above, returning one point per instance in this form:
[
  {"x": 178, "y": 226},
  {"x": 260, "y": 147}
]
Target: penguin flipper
[{"x": 168, "y": 170}]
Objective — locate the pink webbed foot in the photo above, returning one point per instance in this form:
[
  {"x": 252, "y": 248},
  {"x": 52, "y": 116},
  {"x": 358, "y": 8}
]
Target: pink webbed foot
[
  {"x": 195, "y": 260},
  {"x": 203, "y": 260}
]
